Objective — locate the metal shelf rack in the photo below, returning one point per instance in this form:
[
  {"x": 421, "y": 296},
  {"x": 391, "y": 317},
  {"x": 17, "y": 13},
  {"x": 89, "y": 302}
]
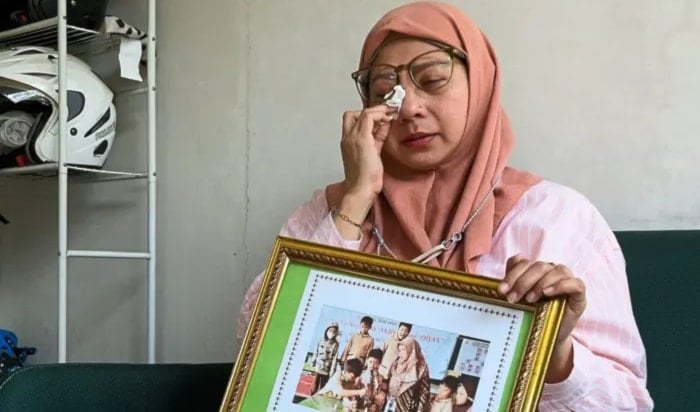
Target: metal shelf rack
[
  {"x": 45, "y": 33},
  {"x": 58, "y": 34}
]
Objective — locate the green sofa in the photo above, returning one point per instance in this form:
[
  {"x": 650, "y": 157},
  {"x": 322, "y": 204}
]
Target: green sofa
[
  {"x": 663, "y": 269},
  {"x": 115, "y": 387}
]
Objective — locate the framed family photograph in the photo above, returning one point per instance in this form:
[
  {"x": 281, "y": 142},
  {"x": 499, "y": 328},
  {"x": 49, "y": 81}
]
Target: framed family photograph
[{"x": 338, "y": 330}]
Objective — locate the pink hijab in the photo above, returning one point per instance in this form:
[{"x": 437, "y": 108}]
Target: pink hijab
[{"x": 416, "y": 211}]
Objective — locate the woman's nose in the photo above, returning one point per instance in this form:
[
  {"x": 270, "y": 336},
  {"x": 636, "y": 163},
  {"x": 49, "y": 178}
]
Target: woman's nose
[{"x": 412, "y": 102}]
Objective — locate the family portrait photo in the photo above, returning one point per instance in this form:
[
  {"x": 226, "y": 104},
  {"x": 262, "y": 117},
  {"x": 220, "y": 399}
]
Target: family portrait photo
[{"x": 366, "y": 362}]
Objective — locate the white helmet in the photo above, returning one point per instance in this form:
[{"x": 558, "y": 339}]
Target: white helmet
[{"x": 29, "y": 109}]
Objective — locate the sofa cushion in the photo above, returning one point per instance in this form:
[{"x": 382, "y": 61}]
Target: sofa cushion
[
  {"x": 115, "y": 387},
  {"x": 664, "y": 277}
]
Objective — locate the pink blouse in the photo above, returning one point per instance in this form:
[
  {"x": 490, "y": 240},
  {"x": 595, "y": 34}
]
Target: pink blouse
[{"x": 550, "y": 223}]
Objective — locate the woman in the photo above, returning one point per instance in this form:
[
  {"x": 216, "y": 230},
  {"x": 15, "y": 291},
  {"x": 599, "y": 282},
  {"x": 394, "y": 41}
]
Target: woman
[
  {"x": 435, "y": 170},
  {"x": 409, "y": 380}
]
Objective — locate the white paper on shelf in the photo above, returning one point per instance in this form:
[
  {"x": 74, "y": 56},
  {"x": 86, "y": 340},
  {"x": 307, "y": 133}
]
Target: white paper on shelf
[{"x": 130, "y": 58}]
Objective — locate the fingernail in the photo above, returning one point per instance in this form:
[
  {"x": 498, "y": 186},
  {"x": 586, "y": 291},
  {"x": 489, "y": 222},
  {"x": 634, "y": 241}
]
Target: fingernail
[
  {"x": 511, "y": 297},
  {"x": 548, "y": 290},
  {"x": 530, "y": 297},
  {"x": 503, "y": 287}
]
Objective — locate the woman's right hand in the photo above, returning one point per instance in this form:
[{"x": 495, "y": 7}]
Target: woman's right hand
[{"x": 364, "y": 134}]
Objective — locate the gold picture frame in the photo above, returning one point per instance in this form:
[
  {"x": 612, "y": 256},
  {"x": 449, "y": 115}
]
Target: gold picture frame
[{"x": 459, "y": 325}]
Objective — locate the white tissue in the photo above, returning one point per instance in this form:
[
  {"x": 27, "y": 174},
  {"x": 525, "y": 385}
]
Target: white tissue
[
  {"x": 395, "y": 97},
  {"x": 130, "y": 58}
]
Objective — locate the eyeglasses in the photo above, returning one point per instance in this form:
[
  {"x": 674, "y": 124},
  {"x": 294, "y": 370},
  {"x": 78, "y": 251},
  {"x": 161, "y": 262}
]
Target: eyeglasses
[{"x": 429, "y": 71}]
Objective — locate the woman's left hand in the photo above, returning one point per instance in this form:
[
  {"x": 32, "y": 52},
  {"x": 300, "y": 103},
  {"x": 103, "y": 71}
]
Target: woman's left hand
[{"x": 531, "y": 280}]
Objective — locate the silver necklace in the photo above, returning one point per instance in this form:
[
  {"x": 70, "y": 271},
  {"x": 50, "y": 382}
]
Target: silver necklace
[{"x": 446, "y": 244}]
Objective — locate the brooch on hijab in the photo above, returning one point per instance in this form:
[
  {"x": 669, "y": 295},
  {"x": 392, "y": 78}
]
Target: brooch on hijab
[{"x": 395, "y": 98}]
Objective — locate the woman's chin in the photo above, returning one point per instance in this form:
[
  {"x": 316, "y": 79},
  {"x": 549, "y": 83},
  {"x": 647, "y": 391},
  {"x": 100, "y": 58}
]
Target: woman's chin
[{"x": 423, "y": 163}]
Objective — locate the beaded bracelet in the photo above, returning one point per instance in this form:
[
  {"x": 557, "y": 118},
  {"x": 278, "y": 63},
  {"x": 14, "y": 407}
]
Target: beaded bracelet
[{"x": 336, "y": 213}]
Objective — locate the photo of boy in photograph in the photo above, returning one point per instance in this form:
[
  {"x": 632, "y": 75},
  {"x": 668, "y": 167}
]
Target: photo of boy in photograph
[
  {"x": 443, "y": 399},
  {"x": 346, "y": 382},
  {"x": 464, "y": 395},
  {"x": 343, "y": 391},
  {"x": 360, "y": 343},
  {"x": 377, "y": 386}
]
